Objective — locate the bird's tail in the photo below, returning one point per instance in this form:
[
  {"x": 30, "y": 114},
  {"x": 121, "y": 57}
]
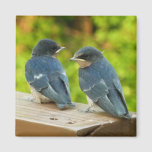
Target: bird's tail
[
  {"x": 126, "y": 116},
  {"x": 107, "y": 106}
]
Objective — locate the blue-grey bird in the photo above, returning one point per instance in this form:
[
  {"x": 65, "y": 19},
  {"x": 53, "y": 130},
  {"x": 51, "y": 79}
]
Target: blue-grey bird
[
  {"x": 100, "y": 82},
  {"x": 46, "y": 76}
]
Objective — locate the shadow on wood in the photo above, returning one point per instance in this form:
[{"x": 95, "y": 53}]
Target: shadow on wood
[{"x": 33, "y": 119}]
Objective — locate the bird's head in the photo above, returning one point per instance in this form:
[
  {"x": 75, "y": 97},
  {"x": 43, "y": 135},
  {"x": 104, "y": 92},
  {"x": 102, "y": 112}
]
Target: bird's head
[
  {"x": 86, "y": 56},
  {"x": 47, "y": 47}
]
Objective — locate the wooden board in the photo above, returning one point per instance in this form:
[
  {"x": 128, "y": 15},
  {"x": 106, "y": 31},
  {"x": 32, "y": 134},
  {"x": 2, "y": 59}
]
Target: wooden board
[{"x": 33, "y": 119}]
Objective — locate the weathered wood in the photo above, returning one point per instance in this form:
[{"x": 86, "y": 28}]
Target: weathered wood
[{"x": 33, "y": 119}]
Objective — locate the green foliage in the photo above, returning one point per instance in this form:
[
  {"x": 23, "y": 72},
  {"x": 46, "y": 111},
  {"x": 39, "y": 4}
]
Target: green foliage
[{"x": 116, "y": 35}]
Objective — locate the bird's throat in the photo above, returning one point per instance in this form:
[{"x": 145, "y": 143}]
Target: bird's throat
[
  {"x": 55, "y": 55},
  {"x": 83, "y": 64}
]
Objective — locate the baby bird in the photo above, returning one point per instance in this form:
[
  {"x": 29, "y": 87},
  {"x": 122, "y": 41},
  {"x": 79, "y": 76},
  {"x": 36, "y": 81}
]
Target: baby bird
[
  {"x": 46, "y": 76},
  {"x": 100, "y": 82}
]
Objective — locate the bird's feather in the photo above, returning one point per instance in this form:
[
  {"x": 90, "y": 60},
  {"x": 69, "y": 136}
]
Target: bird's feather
[
  {"x": 120, "y": 92},
  {"x": 98, "y": 94},
  {"x": 48, "y": 77},
  {"x": 95, "y": 91},
  {"x": 101, "y": 84}
]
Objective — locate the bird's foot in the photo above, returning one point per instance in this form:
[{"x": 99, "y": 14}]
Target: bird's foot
[
  {"x": 31, "y": 99},
  {"x": 88, "y": 109}
]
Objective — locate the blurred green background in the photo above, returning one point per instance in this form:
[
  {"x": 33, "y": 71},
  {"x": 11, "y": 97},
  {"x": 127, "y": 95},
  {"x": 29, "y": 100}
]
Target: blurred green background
[{"x": 116, "y": 35}]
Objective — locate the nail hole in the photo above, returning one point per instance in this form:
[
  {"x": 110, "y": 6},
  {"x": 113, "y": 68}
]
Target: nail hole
[
  {"x": 52, "y": 118},
  {"x": 71, "y": 122}
]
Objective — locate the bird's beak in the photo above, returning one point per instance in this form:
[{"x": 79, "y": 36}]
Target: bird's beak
[
  {"x": 62, "y": 48},
  {"x": 72, "y": 59},
  {"x": 76, "y": 59}
]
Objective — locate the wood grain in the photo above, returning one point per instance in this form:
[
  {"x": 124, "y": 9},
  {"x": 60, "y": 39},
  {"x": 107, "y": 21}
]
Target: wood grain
[{"x": 34, "y": 119}]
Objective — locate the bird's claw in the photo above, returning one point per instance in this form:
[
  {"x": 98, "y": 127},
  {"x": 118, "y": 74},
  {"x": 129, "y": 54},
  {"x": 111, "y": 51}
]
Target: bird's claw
[
  {"x": 88, "y": 109},
  {"x": 31, "y": 99}
]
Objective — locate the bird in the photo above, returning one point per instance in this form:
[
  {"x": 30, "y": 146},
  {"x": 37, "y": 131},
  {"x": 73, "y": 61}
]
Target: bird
[
  {"x": 100, "y": 82},
  {"x": 46, "y": 76}
]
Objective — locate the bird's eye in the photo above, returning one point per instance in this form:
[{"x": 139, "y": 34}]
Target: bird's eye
[
  {"x": 85, "y": 56},
  {"x": 54, "y": 47}
]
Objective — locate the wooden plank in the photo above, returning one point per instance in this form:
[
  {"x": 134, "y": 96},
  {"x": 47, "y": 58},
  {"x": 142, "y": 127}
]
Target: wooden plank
[{"x": 33, "y": 119}]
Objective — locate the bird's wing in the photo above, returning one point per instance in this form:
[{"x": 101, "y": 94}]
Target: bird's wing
[
  {"x": 65, "y": 80},
  {"x": 99, "y": 94},
  {"x": 120, "y": 92},
  {"x": 94, "y": 91},
  {"x": 35, "y": 75},
  {"x": 53, "y": 86},
  {"x": 59, "y": 82}
]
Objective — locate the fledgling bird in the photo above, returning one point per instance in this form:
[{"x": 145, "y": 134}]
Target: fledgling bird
[
  {"x": 100, "y": 82},
  {"x": 46, "y": 76}
]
